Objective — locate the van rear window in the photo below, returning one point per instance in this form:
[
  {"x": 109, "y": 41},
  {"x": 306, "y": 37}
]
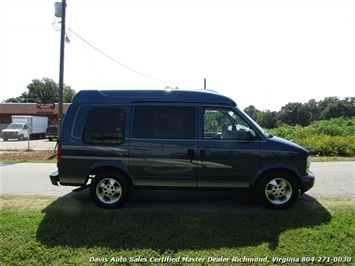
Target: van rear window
[
  {"x": 105, "y": 126},
  {"x": 164, "y": 122}
]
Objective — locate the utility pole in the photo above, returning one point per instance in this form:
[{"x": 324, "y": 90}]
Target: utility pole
[
  {"x": 61, "y": 68},
  {"x": 204, "y": 84}
]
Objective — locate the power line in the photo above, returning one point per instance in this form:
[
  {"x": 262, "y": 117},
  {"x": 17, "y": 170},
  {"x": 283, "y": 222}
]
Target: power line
[{"x": 125, "y": 66}]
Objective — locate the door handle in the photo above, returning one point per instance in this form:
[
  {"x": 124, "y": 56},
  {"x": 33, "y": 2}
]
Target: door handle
[{"x": 191, "y": 154}]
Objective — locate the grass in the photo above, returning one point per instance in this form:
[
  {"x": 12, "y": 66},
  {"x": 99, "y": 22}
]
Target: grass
[
  {"x": 72, "y": 231},
  {"x": 331, "y": 159},
  {"x": 31, "y": 156}
]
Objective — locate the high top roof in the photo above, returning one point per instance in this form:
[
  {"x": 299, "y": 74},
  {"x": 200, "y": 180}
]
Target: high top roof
[{"x": 130, "y": 96}]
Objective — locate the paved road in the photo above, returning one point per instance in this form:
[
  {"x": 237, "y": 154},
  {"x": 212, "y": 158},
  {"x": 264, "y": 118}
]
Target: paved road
[
  {"x": 29, "y": 179},
  {"x": 332, "y": 179}
]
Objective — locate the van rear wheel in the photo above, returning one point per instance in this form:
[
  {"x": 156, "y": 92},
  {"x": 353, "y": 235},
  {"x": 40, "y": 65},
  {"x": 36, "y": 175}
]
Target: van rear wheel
[
  {"x": 277, "y": 190},
  {"x": 109, "y": 190}
]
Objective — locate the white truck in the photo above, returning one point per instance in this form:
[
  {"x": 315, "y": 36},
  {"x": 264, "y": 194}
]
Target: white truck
[{"x": 24, "y": 126}]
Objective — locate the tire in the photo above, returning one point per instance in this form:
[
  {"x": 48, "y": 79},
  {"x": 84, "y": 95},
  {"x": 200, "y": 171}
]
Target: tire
[
  {"x": 21, "y": 137},
  {"x": 109, "y": 190},
  {"x": 277, "y": 190}
]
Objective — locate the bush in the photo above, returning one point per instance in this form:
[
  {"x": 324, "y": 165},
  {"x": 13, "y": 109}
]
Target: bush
[{"x": 334, "y": 137}]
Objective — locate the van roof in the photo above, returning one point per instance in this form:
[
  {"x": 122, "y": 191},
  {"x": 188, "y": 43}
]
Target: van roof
[{"x": 130, "y": 96}]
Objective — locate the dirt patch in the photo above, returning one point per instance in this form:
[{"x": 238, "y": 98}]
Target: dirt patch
[{"x": 28, "y": 155}]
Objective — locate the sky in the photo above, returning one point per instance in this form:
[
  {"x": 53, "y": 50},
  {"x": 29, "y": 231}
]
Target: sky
[{"x": 261, "y": 53}]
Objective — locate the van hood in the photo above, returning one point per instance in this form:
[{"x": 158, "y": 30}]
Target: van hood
[{"x": 286, "y": 144}]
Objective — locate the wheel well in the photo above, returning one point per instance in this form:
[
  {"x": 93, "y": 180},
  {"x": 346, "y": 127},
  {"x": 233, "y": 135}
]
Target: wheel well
[
  {"x": 293, "y": 174},
  {"x": 97, "y": 170}
]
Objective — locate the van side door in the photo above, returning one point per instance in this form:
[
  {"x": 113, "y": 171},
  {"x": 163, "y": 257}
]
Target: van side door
[
  {"x": 163, "y": 145},
  {"x": 225, "y": 155}
]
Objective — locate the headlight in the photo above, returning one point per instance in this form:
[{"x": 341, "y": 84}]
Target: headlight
[{"x": 308, "y": 163}]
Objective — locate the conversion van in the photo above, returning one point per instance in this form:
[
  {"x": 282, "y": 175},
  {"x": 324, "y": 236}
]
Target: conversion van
[{"x": 112, "y": 141}]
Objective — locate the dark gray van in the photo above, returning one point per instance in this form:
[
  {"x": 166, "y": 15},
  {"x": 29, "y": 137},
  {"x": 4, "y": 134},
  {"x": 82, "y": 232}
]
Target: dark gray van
[{"x": 112, "y": 141}]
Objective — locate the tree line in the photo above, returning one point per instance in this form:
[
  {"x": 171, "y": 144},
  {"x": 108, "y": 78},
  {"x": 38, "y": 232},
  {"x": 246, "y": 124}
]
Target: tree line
[
  {"x": 43, "y": 91},
  {"x": 304, "y": 114}
]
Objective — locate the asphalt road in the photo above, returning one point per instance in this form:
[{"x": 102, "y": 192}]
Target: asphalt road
[{"x": 332, "y": 179}]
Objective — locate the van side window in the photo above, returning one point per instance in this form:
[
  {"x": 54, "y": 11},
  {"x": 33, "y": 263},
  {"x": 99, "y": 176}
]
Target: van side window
[
  {"x": 105, "y": 126},
  {"x": 164, "y": 122},
  {"x": 224, "y": 123}
]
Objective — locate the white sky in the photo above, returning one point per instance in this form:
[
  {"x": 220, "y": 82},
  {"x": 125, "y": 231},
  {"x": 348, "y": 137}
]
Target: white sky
[{"x": 261, "y": 53}]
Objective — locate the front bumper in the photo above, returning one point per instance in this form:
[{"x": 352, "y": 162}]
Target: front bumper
[
  {"x": 54, "y": 177},
  {"x": 307, "y": 182}
]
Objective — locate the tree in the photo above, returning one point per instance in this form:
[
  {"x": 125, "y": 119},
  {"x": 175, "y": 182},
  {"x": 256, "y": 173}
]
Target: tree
[
  {"x": 295, "y": 114},
  {"x": 43, "y": 91},
  {"x": 68, "y": 94},
  {"x": 313, "y": 107},
  {"x": 267, "y": 119},
  {"x": 251, "y": 111},
  {"x": 333, "y": 108}
]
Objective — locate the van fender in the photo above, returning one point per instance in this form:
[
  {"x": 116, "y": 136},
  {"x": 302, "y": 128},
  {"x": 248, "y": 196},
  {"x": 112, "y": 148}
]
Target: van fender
[
  {"x": 110, "y": 165},
  {"x": 276, "y": 166}
]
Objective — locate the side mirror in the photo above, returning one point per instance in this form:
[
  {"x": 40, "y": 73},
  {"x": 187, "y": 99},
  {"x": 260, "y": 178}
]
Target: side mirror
[{"x": 251, "y": 135}]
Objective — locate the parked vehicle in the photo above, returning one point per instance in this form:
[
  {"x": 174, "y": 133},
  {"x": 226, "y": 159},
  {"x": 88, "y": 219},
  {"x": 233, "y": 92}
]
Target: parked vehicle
[
  {"x": 24, "y": 126},
  {"x": 112, "y": 141},
  {"x": 52, "y": 132}
]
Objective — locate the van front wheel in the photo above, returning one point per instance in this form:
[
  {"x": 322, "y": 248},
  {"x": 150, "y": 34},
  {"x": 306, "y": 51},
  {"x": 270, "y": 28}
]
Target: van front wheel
[
  {"x": 277, "y": 190},
  {"x": 109, "y": 190}
]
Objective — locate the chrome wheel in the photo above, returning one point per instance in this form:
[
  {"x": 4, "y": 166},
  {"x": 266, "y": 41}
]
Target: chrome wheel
[
  {"x": 109, "y": 190},
  {"x": 278, "y": 191}
]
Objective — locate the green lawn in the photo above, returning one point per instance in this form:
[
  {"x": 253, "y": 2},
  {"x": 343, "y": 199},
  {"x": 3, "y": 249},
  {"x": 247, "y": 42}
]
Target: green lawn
[{"x": 70, "y": 231}]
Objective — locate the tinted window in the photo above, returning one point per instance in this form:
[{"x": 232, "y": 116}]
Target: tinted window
[
  {"x": 105, "y": 126},
  {"x": 164, "y": 122},
  {"x": 223, "y": 123}
]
